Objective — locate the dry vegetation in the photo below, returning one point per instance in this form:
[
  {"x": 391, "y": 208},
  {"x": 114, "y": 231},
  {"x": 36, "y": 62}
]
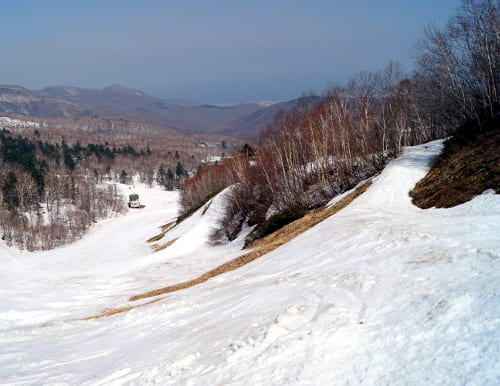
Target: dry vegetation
[
  {"x": 158, "y": 248},
  {"x": 158, "y": 237}
]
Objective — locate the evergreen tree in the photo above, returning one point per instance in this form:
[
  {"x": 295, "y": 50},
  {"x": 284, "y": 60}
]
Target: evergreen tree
[
  {"x": 170, "y": 180},
  {"x": 179, "y": 169},
  {"x": 248, "y": 150},
  {"x": 68, "y": 159},
  {"x": 10, "y": 194},
  {"x": 37, "y": 175}
]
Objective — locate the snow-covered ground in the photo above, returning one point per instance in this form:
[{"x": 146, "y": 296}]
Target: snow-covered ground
[
  {"x": 12, "y": 122},
  {"x": 380, "y": 293}
]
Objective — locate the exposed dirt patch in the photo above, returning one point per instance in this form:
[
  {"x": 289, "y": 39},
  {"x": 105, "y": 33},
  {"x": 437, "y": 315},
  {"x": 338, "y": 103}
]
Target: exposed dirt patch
[
  {"x": 469, "y": 165},
  {"x": 264, "y": 245}
]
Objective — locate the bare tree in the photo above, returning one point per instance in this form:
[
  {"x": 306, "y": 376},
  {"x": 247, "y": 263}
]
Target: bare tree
[
  {"x": 27, "y": 190},
  {"x": 458, "y": 67}
]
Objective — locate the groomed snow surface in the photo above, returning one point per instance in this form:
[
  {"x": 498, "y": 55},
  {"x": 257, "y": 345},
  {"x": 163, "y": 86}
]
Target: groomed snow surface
[{"x": 380, "y": 293}]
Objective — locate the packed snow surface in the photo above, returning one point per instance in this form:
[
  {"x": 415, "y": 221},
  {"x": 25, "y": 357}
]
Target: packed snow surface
[{"x": 380, "y": 293}]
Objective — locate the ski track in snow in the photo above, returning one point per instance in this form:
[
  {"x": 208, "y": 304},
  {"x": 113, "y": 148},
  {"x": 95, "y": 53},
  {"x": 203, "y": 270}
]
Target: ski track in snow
[{"x": 381, "y": 293}]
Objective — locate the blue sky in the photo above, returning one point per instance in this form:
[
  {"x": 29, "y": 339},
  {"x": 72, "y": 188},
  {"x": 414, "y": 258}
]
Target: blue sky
[{"x": 209, "y": 51}]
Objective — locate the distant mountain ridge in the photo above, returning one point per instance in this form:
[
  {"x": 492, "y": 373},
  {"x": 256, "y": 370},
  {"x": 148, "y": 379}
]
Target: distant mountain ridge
[
  {"x": 252, "y": 124},
  {"x": 243, "y": 119},
  {"x": 18, "y": 100}
]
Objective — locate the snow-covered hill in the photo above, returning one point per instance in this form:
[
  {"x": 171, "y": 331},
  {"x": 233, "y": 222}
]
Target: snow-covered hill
[{"x": 380, "y": 293}]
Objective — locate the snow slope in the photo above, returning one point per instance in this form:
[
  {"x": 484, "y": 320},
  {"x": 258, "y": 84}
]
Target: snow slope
[{"x": 380, "y": 293}]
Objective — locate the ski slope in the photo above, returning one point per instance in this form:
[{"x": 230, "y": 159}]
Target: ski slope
[{"x": 380, "y": 293}]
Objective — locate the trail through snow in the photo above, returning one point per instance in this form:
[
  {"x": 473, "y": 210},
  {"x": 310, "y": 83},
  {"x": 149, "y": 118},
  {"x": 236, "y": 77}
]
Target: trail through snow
[{"x": 380, "y": 293}]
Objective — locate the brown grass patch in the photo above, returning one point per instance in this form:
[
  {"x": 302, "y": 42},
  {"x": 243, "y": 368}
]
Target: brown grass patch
[
  {"x": 164, "y": 229},
  {"x": 167, "y": 226},
  {"x": 119, "y": 310},
  {"x": 163, "y": 246},
  {"x": 157, "y": 237},
  {"x": 264, "y": 245}
]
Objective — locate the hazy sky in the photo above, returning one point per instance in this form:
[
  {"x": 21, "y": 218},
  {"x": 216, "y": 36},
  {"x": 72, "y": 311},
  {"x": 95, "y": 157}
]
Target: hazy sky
[{"x": 209, "y": 51}]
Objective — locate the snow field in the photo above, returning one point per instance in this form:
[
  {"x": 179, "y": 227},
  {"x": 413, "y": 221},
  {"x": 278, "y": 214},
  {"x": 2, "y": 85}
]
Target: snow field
[{"x": 380, "y": 293}]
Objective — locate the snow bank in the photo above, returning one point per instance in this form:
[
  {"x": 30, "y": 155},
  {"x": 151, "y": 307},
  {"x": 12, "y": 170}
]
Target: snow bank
[{"x": 381, "y": 293}]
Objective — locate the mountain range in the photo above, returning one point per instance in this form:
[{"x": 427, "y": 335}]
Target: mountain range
[{"x": 243, "y": 119}]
